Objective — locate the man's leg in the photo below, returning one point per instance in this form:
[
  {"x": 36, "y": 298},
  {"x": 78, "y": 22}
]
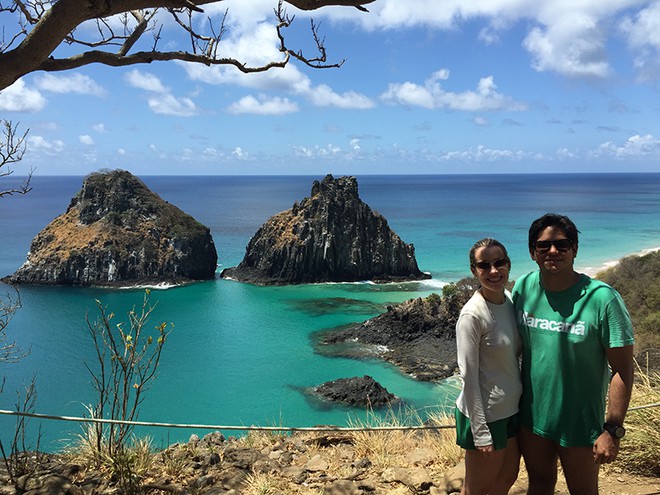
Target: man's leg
[
  {"x": 540, "y": 456},
  {"x": 580, "y": 470}
]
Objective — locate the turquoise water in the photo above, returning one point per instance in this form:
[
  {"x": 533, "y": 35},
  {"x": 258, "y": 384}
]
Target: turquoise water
[{"x": 242, "y": 355}]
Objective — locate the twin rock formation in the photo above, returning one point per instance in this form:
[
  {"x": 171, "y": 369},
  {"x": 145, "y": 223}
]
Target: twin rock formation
[{"x": 117, "y": 232}]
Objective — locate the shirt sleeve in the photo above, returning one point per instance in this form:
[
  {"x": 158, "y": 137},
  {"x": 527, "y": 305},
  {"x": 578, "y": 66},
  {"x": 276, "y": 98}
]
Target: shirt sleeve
[
  {"x": 617, "y": 325},
  {"x": 468, "y": 341}
]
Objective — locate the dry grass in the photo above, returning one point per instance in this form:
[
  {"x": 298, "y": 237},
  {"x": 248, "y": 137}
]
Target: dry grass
[
  {"x": 640, "y": 449},
  {"x": 132, "y": 465},
  {"x": 344, "y": 453},
  {"x": 387, "y": 448}
]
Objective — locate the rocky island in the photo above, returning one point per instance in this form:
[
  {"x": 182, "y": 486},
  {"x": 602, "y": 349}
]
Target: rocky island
[
  {"x": 359, "y": 391},
  {"x": 330, "y": 236},
  {"x": 117, "y": 232},
  {"x": 418, "y": 335}
]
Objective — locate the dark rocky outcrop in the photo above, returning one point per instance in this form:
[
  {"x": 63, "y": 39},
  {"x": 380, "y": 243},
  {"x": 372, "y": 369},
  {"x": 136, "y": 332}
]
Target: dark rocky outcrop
[
  {"x": 357, "y": 391},
  {"x": 331, "y": 236},
  {"x": 418, "y": 335},
  {"x": 117, "y": 232}
]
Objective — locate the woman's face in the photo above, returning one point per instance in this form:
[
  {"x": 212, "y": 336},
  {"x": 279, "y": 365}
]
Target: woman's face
[{"x": 491, "y": 271}]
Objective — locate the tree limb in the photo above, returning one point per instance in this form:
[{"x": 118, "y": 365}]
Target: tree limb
[{"x": 55, "y": 23}]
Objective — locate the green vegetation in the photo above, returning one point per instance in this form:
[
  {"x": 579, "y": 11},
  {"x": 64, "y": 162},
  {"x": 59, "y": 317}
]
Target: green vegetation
[
  {"x": 637, "y": 279},
  {"x": 128, "y": 358}
]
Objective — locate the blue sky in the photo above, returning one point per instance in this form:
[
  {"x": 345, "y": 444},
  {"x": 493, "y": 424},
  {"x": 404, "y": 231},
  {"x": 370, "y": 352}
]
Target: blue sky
[{"x": 428, "y": 86}]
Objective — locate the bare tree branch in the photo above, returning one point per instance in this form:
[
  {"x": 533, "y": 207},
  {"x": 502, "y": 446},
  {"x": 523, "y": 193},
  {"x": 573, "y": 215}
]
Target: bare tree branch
[
  {"x": 10, "y": 352},
  {"x": 42, "y": 26},
  {"x": 12, "y": 148}
]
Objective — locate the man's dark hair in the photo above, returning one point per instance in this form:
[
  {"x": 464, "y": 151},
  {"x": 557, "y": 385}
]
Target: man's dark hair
[{"x": 562, "y": 222}]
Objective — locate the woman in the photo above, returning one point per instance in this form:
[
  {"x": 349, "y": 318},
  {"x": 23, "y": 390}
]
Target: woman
[{"x": 488, "y": 346}]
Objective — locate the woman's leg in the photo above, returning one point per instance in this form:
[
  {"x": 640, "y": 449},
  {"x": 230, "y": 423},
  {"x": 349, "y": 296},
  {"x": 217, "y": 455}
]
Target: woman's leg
[
  {"x": 509, "y": 471},
  {"x": 482, "y": 470}
]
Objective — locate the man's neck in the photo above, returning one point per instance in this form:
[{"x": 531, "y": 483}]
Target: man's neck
[{"x": 556, "y": 282}]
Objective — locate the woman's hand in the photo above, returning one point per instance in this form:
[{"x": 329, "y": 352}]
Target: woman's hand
[{"x": 486, "y": 450}]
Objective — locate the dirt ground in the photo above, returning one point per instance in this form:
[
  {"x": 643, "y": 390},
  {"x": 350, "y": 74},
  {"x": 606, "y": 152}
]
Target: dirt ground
[{"x": 612, "y": 481}]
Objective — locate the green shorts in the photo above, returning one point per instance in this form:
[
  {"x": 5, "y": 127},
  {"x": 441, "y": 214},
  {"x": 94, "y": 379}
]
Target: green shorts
[{"x": 501, "y": 430}]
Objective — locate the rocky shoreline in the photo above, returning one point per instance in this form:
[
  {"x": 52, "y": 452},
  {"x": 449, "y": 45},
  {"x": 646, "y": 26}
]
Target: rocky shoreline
[{"x": 418, "y": 336}]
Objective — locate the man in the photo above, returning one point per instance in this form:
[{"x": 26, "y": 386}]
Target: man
[{"x": 577, "y": 339}]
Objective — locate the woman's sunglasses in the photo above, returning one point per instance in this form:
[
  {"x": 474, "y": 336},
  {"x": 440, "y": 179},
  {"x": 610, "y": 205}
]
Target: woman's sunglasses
[{"x": 498, "y": 263}]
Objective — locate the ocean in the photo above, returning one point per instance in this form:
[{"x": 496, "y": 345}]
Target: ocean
[{"x": 243, "y": 355}]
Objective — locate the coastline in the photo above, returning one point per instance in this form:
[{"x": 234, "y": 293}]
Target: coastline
[{"x": 593, "y": 271}]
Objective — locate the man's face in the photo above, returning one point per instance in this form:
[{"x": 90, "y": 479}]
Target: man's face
[{"x": 553, "y": 252}]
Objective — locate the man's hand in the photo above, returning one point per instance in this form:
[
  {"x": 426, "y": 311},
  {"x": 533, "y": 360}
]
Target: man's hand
[{"x": 606, "y": 448}]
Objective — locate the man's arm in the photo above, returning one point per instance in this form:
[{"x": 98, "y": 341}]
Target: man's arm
[{"x": 620, "y": 359}]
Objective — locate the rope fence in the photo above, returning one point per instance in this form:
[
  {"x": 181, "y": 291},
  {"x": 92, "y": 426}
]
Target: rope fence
[
  {"x": 221, "y": 427},
  {"x": 246, "y": 428}
]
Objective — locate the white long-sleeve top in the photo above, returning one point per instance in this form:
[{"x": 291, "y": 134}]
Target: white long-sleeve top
[{"x": 488, "y": 346}]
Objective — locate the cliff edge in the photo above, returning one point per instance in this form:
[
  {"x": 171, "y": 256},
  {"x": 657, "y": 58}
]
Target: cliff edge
[
  {"x": 117, "y": 232},
  {"x": 330, "y": 236}
]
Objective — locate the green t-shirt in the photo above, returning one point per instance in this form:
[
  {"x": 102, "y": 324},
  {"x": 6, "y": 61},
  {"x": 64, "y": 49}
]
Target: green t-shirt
[{"x": 565, "y": 373}]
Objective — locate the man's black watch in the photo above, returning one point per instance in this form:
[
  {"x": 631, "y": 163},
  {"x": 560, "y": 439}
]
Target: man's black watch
[{"x": 615, "y": 430}]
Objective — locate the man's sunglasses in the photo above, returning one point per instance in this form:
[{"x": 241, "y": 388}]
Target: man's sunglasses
[
  {"x": 561, "y": 245},
  {"x": 498, "y": 263}
]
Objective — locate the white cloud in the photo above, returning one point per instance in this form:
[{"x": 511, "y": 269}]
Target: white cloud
[
  {"x": 565, "y": 36},
  {"x": 86, "y": 139},
  {"x": 566, "y": 154},
  {"x": 164, "y": 102},
  {"x": 573, "y": 46},
  {"x": 70, "y": 83},
  {"x": 485, "y": 154},
  {"x": 100, "y": 128},
  {"x": 40, "y": 144},
  {"x": 643, "y": 29},
  {"x": 643, "y": 36},
  {"x": 254, "y": 48},
  {"x": 431, "y": 95},
  {"x": 316, "y": 151},
  {"x": 239, "y": 153},
  {"x": 146, "y": 81},
  {"x": 488, "y": 36},
  {"x": 324, "y": 96},
  {"x": 481, "y": 121},
  {"x": 262, "y": 105},
  {"x": 167, "y": 104},
  {"x": 19, "y": 98},
  {"x": 635, "y": 146},
  {"x": 255, "y": 44}
]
